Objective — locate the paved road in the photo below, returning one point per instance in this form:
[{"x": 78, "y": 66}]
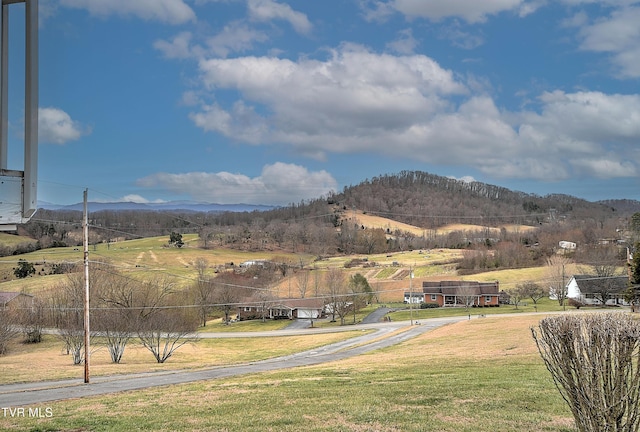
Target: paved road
[
  {"x": 376, "y": 316},
  {"x": 384, "y": 335}
]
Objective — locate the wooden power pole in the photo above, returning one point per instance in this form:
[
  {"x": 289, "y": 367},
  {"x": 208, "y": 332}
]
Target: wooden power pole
[{"x": 85, "y": 236}]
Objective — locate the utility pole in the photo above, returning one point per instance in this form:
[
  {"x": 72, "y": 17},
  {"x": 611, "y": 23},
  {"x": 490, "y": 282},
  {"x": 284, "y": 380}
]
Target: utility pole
[
  {"x": 85, "y": 236},
  {"x": 411, "y": 293},
  {"x": 565, "y": 292}
]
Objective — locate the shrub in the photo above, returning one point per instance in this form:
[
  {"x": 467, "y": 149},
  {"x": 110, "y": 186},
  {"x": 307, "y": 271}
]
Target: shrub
[
  {"x": 575, "y": 303},
  {"x": 594, "y": 360}
]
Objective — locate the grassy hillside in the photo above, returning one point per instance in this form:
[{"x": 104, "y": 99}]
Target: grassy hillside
[
  {"x": 143, "y": 257},
  {"x": 12, "y": 240},
  {"x": 390, "y": 225}
]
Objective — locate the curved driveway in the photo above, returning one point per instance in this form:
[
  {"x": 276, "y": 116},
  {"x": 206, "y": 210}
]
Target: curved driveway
[{"x": 385, "y": 334}]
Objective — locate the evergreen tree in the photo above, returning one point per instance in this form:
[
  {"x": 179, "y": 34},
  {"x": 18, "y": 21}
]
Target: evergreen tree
[
  {"x": 633, "y": 293},
  {"x": 24, "y": 269}
]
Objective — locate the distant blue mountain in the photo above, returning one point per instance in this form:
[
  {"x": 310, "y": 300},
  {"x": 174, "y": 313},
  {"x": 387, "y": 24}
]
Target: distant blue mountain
[{"x": 168, "y": 206}]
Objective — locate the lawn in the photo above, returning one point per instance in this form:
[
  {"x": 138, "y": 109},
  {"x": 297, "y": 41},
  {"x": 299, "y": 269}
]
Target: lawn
[
  {"x": 478, "y": 375},
  {"x": 218, "y": 326},
  {"x": 47, "y": 361}
]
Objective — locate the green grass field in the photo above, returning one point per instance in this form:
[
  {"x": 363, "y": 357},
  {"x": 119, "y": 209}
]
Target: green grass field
[
  {"x": 479, "y": 375},
  {"x": 144, "y": 257}
]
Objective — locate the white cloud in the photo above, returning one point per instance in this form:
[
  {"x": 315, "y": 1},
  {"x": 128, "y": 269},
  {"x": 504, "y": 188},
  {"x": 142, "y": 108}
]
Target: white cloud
[
  {"x": 278, "y": 184},
  {"x": 235, "y": 37},
  {"x": 135, "y": 198},
  {"x": 267, "y": 10},
  {"x": 592, "y": 132},
  {"x": 459, "y": 37},
  {"x": 405, "y": 43},
  {"x": 56, "y": 126},
  {"x": 357, "y": 101},
  {"x": 354, "y": 92},
  {"x": 168, "y": 11},
  {"x": 178, "y": 48},
  {"x": 470, "y": 11},
  {"x": 617, "y": 34},
  {"x": 375, "y": 10},
  {"x": 465, "y": 179}
]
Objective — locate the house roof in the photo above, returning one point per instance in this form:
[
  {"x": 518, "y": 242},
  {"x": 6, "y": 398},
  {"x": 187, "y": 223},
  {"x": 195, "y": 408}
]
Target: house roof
[
  {"x": 300, "y": 303},
  {"x": 303, "y": 303},
  {"x": 589, "y": 284},
  {"x": 460, "y": 287},
  {"x": 6, "y": 296}
]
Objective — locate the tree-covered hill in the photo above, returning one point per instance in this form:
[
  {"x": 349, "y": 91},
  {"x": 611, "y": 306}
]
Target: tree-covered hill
[{"x": 318, "y": 226}]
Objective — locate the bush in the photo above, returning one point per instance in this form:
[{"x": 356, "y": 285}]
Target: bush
[
  {"x": 429, "y": 305},
  {"x": 594, "y": 360},
  {"x": 575, "y": 303}
]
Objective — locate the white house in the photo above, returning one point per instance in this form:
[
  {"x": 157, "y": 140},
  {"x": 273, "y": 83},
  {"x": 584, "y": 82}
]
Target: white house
[
  {"x": 567, "y": 245},
  {"x": 587, "y": 289},
  {"x": 414, "y": 297}
]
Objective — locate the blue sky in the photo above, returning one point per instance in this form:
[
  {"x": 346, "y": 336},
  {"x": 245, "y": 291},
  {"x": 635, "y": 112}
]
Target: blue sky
[{"x": 273, "y": 101}]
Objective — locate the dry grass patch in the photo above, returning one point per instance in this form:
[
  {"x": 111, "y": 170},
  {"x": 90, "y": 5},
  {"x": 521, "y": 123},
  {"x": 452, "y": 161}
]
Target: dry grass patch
[
  {"x": 484, "y": 338},
  {"x": 47, "y": 361}
]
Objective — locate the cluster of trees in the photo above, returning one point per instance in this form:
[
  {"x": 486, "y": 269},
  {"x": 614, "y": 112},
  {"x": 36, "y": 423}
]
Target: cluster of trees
[
  {"x": 153, "y": 311},
  {"x": 346, "y": 295},
  {"x": 527, "y": 290}
]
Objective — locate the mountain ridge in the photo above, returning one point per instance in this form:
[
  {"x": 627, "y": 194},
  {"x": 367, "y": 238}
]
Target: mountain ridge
[{"x": 165, "y": 206}]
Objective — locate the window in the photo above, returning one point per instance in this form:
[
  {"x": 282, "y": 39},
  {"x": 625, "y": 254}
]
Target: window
[
  {"x": 433, "y": 297},
  {"x": 487, "y": 299}
]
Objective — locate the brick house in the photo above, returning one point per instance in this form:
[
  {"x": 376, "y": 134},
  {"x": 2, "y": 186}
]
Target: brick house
[
  {"x": 282, "y": 309},
  {"x": 457, "y": 293}
]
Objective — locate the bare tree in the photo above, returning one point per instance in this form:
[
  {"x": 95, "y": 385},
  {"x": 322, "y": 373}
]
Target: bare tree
[
  {"x": 8, "y": 330},
  {"x": 66, "y": 309},
  {"x": 338, "y": 295},
  {"x": 302, "y": 280},
  {"x": 594, "y": 361},
  {"x": 556, "y": 275},
  {"x": 467, "y": 296},
  {"x": 226, "y": 296},
  {"x": 532, "y": 290},
  {"x": 202, "y": 291},
  {"x": 32, "y": 319},
  {"x": 113, "y": 312},
  {"x": 605, "y": 264},
  {"x": 264, "y": 300},
  {"x": 166, "y": 330},
  {"x": 516, "y": 294},
  {"x": 164, "y": 325}
]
